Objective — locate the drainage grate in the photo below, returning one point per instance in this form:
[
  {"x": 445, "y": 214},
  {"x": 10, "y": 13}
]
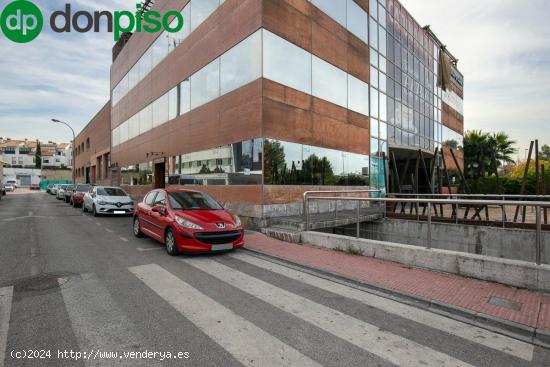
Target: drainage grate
[{"x": 505, "y": 303}]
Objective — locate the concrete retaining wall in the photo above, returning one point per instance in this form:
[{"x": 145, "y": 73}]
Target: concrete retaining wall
[
  {"x": 510, "y": 272},
  {"x": 513, "y": 244}
]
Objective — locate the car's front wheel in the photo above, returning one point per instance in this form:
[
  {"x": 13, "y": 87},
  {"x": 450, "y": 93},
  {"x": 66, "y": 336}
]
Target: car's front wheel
[
  {"x": 170, "y": 242},
  {"x": 137, "y": 228}
]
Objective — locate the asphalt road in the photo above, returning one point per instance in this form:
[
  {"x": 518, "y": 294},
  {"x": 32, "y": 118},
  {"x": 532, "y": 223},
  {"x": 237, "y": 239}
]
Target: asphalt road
[{"x": 79, "y": 290}]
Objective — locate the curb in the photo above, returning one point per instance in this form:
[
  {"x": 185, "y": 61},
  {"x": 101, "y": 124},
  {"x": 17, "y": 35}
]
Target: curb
[{"x": 511, "y": 329}]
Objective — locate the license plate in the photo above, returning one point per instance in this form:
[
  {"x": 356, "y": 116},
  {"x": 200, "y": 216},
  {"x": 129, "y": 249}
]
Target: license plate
[
  {"x": 119, "y": 212},
  {"x": 226, "y": 246}
]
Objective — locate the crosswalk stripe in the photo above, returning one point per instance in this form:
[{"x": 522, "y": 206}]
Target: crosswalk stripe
[
  {"x": 391, "y": 347},
  {"x": 6, "y": 296},
  {"x": 471, "y": 333},
  {"x": 97, "y": 321},
  {"x": 248, "y": 343}
]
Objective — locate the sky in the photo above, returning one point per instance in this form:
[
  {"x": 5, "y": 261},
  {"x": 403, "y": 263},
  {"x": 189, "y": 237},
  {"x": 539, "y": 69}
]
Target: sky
[{"x": 503, "y": 47}]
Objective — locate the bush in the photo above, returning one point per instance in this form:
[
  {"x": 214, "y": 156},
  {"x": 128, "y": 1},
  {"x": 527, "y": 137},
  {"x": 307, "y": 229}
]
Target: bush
[{"x": 508, "y": 185}]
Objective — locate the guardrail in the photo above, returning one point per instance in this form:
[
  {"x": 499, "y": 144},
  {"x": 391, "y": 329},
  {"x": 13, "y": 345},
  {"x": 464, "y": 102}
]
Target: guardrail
[{"x": 537, "y": 205}]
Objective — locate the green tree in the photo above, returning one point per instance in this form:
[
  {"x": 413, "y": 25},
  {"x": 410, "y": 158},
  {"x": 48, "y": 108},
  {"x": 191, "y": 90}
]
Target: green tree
[
  {"x": 482, "y": 149},
  {"x": 274, "y": 162},
  {"x": 38, "y": 156},
  {"x": 545, "y": 152},
  {"x": 503, "y": 147}
]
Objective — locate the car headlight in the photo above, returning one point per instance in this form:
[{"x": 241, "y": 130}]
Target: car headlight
[
  {"x": 102, "y": 202},
  {"x": 238, "y": 222},
  {"x": 187, "y": 224}
]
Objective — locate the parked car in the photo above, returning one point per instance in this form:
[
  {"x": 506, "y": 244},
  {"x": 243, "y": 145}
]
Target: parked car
[
  {"x": 12, "y": 183},
  {"x": 108, "y": 200},
  {"x": 60, "y": 195},
  {"x": 49, "y": 188},
  {"x": 35, "y": 187},
  {"x": 187, "y": 221},
  {"x": 68, "y": 192},
  {"x": 78, "y": 194},
  {"x": 53, "y": 190},
  {"x": 9, "y": 187}
]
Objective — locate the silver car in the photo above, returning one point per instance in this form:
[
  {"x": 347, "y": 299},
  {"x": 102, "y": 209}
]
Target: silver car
[
  {"x": 108, "y": 200},
  {"x": 60, "y": 192}
]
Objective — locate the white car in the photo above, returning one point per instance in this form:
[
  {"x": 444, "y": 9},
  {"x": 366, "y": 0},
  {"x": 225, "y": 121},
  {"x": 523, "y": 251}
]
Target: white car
[
  {"x": 60, "y": 192},
  {"x": 108, "y": 200},
  {"x": 54, "y": 189},
  {"x": 9, "y": 187}
]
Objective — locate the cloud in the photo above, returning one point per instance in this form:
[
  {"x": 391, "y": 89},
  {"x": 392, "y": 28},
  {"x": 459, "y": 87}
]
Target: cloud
[
  {"x": 64, "y": 76},
  {"x": 504, "y": 54}
]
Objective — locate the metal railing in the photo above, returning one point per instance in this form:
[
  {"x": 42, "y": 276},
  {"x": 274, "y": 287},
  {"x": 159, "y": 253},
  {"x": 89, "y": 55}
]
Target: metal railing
[
  {"x": 307, "y": 196},
  {"x": 538, "y": 205}
]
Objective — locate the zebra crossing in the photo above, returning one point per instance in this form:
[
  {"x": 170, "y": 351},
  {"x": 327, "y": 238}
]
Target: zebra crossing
[{"x": 100, "y": 323}]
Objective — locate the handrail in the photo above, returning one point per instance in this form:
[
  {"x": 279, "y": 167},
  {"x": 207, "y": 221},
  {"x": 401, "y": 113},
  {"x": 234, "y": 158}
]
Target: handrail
[
  {"x": 504, "y": 196},
  {"x": 307, "y": 193},
  {"x": 544, "y": 204},
  {"x": 501, "y": 203}
]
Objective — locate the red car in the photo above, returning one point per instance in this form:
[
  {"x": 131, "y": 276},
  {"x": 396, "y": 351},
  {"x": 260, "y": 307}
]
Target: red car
[
  {"x": 77, "y": 197},
  {"x": 187, "y": 221}
]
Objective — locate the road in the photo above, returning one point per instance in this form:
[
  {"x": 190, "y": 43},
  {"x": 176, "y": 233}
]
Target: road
[{"x": 85, "y": 292}]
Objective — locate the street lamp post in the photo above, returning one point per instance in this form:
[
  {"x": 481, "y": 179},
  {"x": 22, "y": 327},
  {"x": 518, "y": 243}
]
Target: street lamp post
[{"x": 73, "y": 148}]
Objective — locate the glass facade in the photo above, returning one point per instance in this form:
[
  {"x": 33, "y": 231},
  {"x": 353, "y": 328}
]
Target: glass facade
[
  {"x": 261, "y": 52},
  {"x": 271, "y": 162},
  {"x": 403, "y": 100},
  {"x": 298, "y": 164},
  {"x": 194, "y": 14}
]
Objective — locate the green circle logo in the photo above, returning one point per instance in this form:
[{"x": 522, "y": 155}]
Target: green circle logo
[{"x": 21, "y": 21}]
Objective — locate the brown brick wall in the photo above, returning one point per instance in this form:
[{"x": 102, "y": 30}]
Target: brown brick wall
[
  {"x": 294, "y": 116},
  {"x": 98, "y": 131},
  {"x": 452, "y": 119}
]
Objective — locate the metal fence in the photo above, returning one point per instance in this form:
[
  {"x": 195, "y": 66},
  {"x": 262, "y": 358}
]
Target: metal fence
[{"x": 431, "y": 205}]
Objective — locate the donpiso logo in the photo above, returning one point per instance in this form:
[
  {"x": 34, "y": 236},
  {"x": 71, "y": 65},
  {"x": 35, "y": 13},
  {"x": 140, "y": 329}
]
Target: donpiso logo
[{"x": 21, "y": 21}]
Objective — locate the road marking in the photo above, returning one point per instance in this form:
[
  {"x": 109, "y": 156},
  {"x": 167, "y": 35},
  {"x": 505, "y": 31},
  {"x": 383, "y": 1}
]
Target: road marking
[
  {"x": 30, "y": 214},
  {"x": 249, "y": 344},
  {"x": 150, "y": 249},
  {"x": 6, "y": 296},
  {"x": 33, "y": 252},
  {"x": 97, "y": 321},
  {"x": 391, "y": 347},
  {"x": 466, "y": 331},
  {"x": 124, "y": 239},
  {"x": 98, "y": 224},
  {"x": 109, "y": 230}
]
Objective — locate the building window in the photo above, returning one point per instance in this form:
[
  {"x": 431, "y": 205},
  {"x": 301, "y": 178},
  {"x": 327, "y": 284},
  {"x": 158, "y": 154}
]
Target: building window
[
  {"x": 286, "y": 63},
  {"x": 205, "y": 84},
  {"x": 242, "y": 64}
]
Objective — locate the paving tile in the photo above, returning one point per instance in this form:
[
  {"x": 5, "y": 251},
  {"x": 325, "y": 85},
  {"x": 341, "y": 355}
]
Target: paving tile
[{"x": 466, "y": 293}]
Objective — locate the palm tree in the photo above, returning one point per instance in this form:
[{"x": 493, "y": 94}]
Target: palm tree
[
  {"x": 476, "y": 156},
  {"x": 502, "y": 147}
]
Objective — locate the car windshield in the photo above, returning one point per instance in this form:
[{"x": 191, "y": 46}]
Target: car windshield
[
  {"x": 83, "y": 188},
  {"x": 192, "y": 201},
  {"x": 110, "y": 191},
  {"x": 69, "y": 188}
]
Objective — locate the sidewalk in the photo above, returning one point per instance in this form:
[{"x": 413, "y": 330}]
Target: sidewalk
[{"x": 490, "y": 300}]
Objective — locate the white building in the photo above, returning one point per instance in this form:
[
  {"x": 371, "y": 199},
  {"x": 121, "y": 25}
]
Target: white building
[{"x": 20, "y": 159}]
